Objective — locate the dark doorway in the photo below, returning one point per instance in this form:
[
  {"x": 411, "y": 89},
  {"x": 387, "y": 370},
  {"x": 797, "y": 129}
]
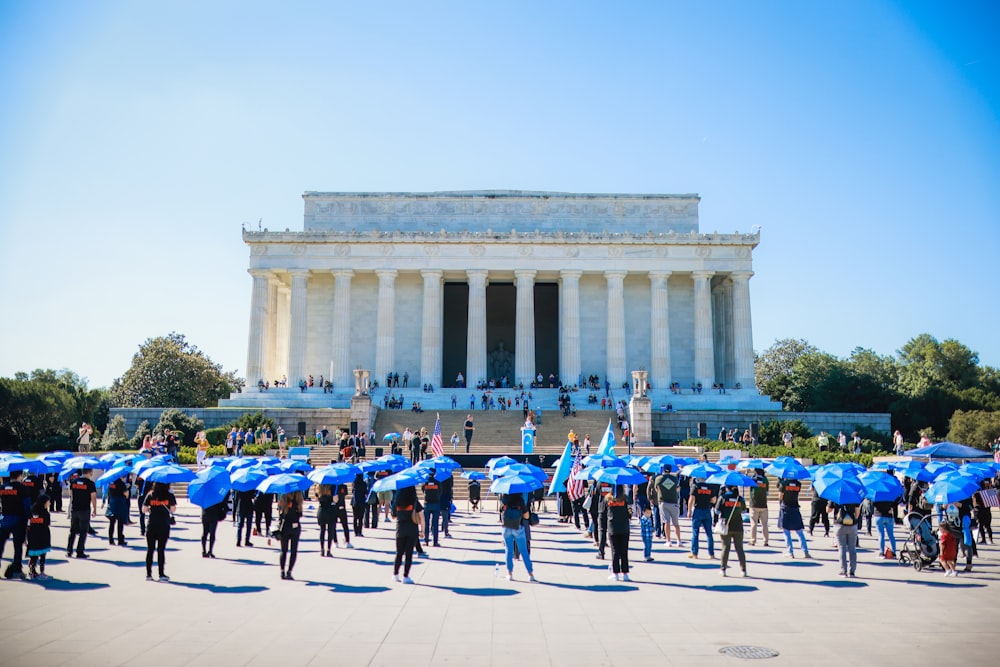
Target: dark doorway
[
  {"x": 501, "y": 309},
  {"x": 547, "y": 330},
  {"x": 456, "y": 332}
]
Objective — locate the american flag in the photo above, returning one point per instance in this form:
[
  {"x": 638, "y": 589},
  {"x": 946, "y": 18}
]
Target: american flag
[
  {"x": 574, "y": 486},
  {"x": 436, "y": 445},
  {"x": 989, "y": 497}
]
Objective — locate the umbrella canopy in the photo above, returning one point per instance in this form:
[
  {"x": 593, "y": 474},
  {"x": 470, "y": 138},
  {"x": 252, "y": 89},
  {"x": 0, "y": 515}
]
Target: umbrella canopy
[
  {"x": 266, "y": 468},
  {"x": 338, "y": 473},
  {"x": 515, "y": 484},
  {"x": 619, "y": 476},
  {"x": 751, "y": 464},
  {"x": 728, "y": 461},
  {"x": 523, "y": 469},
  {"x": 374, "y": 466},
  {"x": 881, "y": 487},
  {"x": 209, "y": 487},
  {"x": 884, "y": 466},
  {"x": 587, "y": 473},
  {"x": 731, "y": 478},
  {"x": 246, "y": 479},
  {"x": 401, "y": 480},
  {"x": 17, "y": 462},
  {"x": 390, "y": 436},
  {"x": 949, "y": 450},
  {"x": 284, "y": 483},
  {"x": 832, "y": 472},
  {"x": 951, "y": 490},
  {"x": 788, "y": 471},
  {"x": 664, "y": 459},
  {"x": 474, "y": 475},
  {"x": 700, "y": 470},
  {"x": 168, "y": 474},
  {"x": 236, "y": 464},
  {"x": 604, "y": 460},
  {"x": 221, "y": 461},
  {"x": 440, "y": 463},
  {"x": 958, "y": 476},
  {"x": 291, "y": 465},
  {"x": 80, "y": 462},
  {"x": 116, "y": 472},
  {"x": 972, "y": 471},
  {"x": 61, "y": 455},
  {"x": 144, "y": 466},
  {"x": 988, "y": 468},
  {"x": 655, "y": 467},
  {"x": 844, "y": 491},
  {"x": 915, "y": 470},
  {"x": 395, "y": 461},
  {"x": 499, "y": 461}
]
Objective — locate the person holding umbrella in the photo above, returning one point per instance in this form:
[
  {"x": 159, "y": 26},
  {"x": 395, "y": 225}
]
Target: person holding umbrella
[
  {"x": 409, "y": 521},
  {"x": 789, "y": 515},
  {"x": 846, "y": 518},
  {"x": 159, "y": 504},
  {"x": 729, "y": 508},
  {"x": 290, "y": 529},
  {"x": 326, "y": 517},
  {"x": 83, "y": 505},
  {"x": 15, "y": 505},
  {"x": 39, "y": 537},
  {"x": 619, "y": 514},
  {"x": 513, "y": 515},
  {"x": 117, "y": 511}
]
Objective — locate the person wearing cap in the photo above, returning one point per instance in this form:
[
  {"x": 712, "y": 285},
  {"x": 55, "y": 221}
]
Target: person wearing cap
[
  {"x": 700, "y": 508},
  {"x": 15, "y": 504},
  {"x": 83, "y": 505}
]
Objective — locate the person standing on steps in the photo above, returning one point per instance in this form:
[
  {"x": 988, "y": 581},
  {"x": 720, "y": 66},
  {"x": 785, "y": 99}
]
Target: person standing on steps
[{"x": 469, "y": 428}]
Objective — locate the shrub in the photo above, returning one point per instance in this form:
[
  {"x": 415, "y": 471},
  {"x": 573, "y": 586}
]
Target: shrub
[
  {"x": 141, "y": 432},
  {"x": 49, "y": 444},
  {"x": 115, "y": 437},
  {"x": 251, "y": 420},
  {"x": 772, "y": 431},
  {"x": 184, "y": 424},
  {"x": 217, "y": 436}
]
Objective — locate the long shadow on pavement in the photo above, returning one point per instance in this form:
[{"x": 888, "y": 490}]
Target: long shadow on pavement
[
  {"x": 345, "y": 588},
  {"x": 476, "y": 592},
  {"x": 598, "y": 588},
  {"x": 215, "y": 588},
  {"x": 70, "y": 586},
  {"x": 839, "y": 583}
]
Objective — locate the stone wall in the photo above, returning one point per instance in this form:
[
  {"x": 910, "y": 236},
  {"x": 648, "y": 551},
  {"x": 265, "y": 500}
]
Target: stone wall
[
  {"x": 684, "y": 424},
  {"x": 287, "y": 418}
]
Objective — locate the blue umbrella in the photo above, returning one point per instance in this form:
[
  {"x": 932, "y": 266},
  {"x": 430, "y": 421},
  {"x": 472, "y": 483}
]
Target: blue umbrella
[
  {"x": 664, "y": 460},
  {"x": 958, "y": 476},
  {"x": 937, "y": 468},
  {"x": 396, "y": 461},
  {"x": 440, "y": 463},
  {"x": 751, "y": 464},
  {"x": 884, "y": 466},
  {"x": 880, "y": 486},
  {"x": 728, "y": 461},
  {"x": 474, "y": 475},
  {"x": 845, "y": 491},
  {"x": 515, "y": 484},
  {"x": 654, "y": 467},
  {"x": 989, "y": 468},
  {"x": 332, "y": 475},
  {"x": 401, "y": 480},
  {"x": 950, "y": 450},
  {"x": 951, "y": 490},
  {"x": 390, "y": 436},
  {"x": 788, "y": 471},
  {"x": 221, "y": 461},
  {"x": 587, "y": 473},
  {"x": 246, "y": 479},
  {"x": 210, "y": 487},
  {"x": 979, "y": 473},
  {"x": 271, "y": 460},
  {"x": 169, "y": 474},
  {"x": 80, "y": 462},
  {"x": 17, "y": 462},
  {"x": 619, "y": 476},
  {"x": 284, "y": 483},
  {"x": 58, "y": 456},
  {"x": 291, "y": 465},
  {"x": 162, "y": 458},
  {"x": 116, "y": 472},
  {"x": 700, "y": 470},
  {"x": 731, "y": 478},
  {"x": 523, "y": 469},
  {"x": 604, "y": 460},
  {"x": 499, "y": 461},
  {"x": 832, "y": 472},
  {"x": 236, "y": 464},
  {"x": 142, "y": 467},
  {"x": 915, "y": 470},
  {"x": 374, "y": 466}
]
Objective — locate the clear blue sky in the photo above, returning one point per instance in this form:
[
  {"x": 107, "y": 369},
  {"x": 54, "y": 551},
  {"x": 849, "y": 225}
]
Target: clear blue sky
[{"x": 136, "y": 137}]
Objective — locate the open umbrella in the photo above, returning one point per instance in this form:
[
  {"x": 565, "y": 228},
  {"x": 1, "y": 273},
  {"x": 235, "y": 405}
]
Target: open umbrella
[
  {"x": 654, "y": 467},
  {"x": 937, "y": 468},
  {"x": 950, "y": 450},
  {"x": 587, "y": 473},
  {"x": 728, "y": 461},
  {"x": 751, "y": 464},
  {"x": 246, "y": 479},
  {"x": 291, "y": 465},
  {"x": 523, "y": 469},
  {"x": 169, "y": 474},
  {"x": 951, "y": 490},
  {"x": 18, "y": 462},
  {"x": 338, "y": 473},
  {"x": 619, "y": 476},
  {"x": 915, "y": 470},
  {"x": 474, "y": 475},
  {"x": 788, "y": 471},
  {"x": 390, "y": 436},
  {"x": 731, "y": 478},
  {"x": 604, "y": 460},
  {"x": 81, "y": 462},
  {"x": 117, "y": 472},
  {"x": 60, "y": 455},
  {"x": 844, "y": 491},
  {"x": 700, "y": 470},
  {"x": 440, "y": 463},
  {"x": 142, "y": 467},
  {"x": 236, "y": 464},
  {"x": 832, "y": 472},
  {"x": 499, "y": 460},
  {"x": 374, "y": 466},
  {"x": 395, "y": 461},
  {"x": 881, "y": 487},
  {"x": 209, "y": 487},
  {"x": 884, "y": 466},
  {"x": 284, "y": 483},
  {"x": 515, "y": 484},
  {"x": 401, "y": 480}
]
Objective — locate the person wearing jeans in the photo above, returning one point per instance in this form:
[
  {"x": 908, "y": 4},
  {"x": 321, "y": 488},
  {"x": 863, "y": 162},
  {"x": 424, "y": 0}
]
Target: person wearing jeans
[
  {"x": 700, "y": 508},
  {"x": 789, "y": 516},
  {"x": 516, "y": 536},
  {"x": 886, "y": 526},
  {"x": 846, "y": 519}
]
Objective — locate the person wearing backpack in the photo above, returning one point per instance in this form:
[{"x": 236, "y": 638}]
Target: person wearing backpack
[
  {"x": 729, "y": 508},
  {"x": 409, "y": 522},
  {"x": 667, "y": 491},
  {"x": 758, "y": 506},
  {"x": 846, "y": 518},
  {"x": 513, "y": 515}
]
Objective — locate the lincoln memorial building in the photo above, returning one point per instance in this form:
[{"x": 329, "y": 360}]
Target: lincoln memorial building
[{"x": 489, "y": 284}]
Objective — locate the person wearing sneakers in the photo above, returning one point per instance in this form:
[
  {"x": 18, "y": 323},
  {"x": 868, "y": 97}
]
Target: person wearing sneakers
[
  {"x": 845, "y": 518},
  {"x": 290, "y": 529},
  {"x": 513, "y": 514},
  {"x": 619, "y": 516},
  {"x": 730, "y": 508},
  {"x": 700, "y": 508},
  {"x": 789, "y": 515},
  {"x": 409, "y": 523},
  {"x": 667, "y": 490},
  {"x": 83, "y": 506},
  {"x": 758, "y": 507},
  {"x": 159, "y": 504},
  {"x": 886, "y": 528},
  {"x": 39, "y": 538}
]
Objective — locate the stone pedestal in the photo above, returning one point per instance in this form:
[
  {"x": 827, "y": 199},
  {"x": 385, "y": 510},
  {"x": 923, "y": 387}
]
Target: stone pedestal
[
  {"x": 641, "y": 420},
  {"x": 361, "y": 412}
]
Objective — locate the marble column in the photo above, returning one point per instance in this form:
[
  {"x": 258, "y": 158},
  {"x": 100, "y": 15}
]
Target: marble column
[
  {"x": 475, "y": 354},
  {"x": 569, "y": 327},
  {"x": 297, "y": 326},
  {"x": 616, "y": 372},
  {"x": 524, "y": 327},
  {"x": 283, "y": 329},
  {"x": 659, "y": 335},
  {"x": 742, "y": 330},
  {"x": 256, "y": 349},
  {"x": 704, "y": 345},
  {"x": 432, "y": 334},
  {"x": 340, "y": 348},
  {"x": 385, "y": 330},
  {"x": 271, "y": 371}
]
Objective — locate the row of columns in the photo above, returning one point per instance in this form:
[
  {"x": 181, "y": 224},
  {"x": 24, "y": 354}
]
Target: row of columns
[{"x": 266, "y": 329}]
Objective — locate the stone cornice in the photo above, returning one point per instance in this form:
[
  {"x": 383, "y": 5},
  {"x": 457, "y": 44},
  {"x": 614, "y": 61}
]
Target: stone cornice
[{"x": 490, "y": 236}]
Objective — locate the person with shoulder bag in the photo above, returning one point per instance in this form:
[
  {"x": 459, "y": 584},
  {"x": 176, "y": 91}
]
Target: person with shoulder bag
[
  {"x": 846, "y": 518},
  {"x": 409, "y": 522},
  {"x": 514, "y": 514},
  {"x": 729, "y": 526}
]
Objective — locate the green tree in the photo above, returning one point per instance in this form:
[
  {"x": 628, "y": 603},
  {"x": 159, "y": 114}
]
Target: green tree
[
  {"x": 34, "y": 410},
  {"x": 115, "y": 436},
  {"x": 976, "y": 428},
  {"x": 773, "y": 368},
  {"x": 170, "y": 372},
  {"x": 140, "y": 434},
  {"x": 180, "y": 422}
]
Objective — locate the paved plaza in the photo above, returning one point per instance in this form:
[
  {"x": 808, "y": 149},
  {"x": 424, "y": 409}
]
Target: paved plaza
[{"x": 346, "y": 610}]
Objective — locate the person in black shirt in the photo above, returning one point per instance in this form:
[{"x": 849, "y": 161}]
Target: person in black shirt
[
  {"x": 432, "y": 505},
  {"x": 700, "y": 507},
  {"x": 159, "y": 504},
  {"x": 53, "y": 489},
  {"x": 730, "y": 508},
  {"x": 619, "y": 514},
  {"x": 39, "y": 537},
  {"x": 359, "y": 498},
  {"x": 789, "y": 516},
  {"x": 409, "y": 520},
  {"x": 340, "y": 516},
  {"x": 447, "y": 494},
  {"x": 15, "y": 505},
  {"x": 290, "y": 528},
  {"x": 818, "y": 513},
  {"x": 210, "y": 518},
  {"x": 83, "y": 505},
  {"x": 244, "y": 510},
  {"x": 263, "y": 506},
  {"x": 33, "y": 485},
  {"x": 171, "y": 442},
  {"x": 140, "y": 494},
  {"x": 475, "y": 494},
  {"x": 325, "y": 516},
  {"x": 117, "y": 511}
]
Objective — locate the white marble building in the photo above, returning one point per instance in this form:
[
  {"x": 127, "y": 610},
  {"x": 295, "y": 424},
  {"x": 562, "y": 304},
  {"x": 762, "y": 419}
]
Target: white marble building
[{"x": 431, "y": 284}]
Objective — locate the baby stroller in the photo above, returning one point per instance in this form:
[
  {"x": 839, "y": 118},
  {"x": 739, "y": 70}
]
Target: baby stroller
[{"x": 921, "y": 548}]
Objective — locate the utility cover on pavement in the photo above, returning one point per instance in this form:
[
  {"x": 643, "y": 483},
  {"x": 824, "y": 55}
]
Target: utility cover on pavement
[{"x": 748, "y": 652}]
